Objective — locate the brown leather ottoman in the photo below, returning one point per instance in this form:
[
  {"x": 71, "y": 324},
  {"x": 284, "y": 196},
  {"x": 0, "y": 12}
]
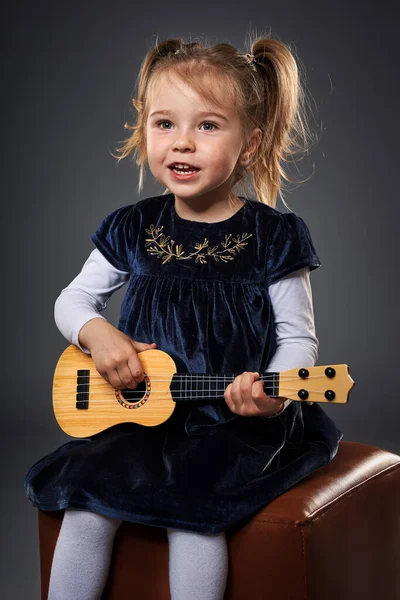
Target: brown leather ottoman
[{"x": 335, "y": 535}]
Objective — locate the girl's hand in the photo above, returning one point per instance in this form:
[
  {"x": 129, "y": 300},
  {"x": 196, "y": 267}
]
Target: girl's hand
[
  {"x": 114, "y": 354},
  {"x": 246, "y": 397}
]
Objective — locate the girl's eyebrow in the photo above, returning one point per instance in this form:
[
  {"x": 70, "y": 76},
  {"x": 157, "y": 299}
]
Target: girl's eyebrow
[{"x": 200, "y": 114}]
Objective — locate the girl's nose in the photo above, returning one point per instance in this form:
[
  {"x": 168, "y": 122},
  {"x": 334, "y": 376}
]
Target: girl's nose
[{"x": 184, "y": 143}]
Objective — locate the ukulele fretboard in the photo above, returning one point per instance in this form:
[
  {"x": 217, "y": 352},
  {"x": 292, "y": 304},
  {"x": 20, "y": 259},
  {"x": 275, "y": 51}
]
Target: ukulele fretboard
[{"x": 210, "y": 386}]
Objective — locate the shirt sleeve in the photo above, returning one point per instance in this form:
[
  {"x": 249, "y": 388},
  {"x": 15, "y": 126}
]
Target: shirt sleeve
[
  {"x": 114, "y": 237},
  {"x": 297, "y": 344},
  {"x": 86, "y": 296},
  {"x": 290, "y": 248}
]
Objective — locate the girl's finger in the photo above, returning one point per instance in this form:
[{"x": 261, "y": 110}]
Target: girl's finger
[
  {"x": 235, "y": 391},
  {"x": 258, "y": 395},
  {"x": 228, "y": 398},
  {"x": 135, "y": 368},
  {"x": 115, "y": 380},
  {"x": 142, "y": 346},
  {"x": 127, "y": 377},
  {"x": 246, "y": 385}
]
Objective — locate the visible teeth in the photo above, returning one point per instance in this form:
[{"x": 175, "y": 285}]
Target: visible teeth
[
  {"x": 181, "y": 166},
  {"x": 183, "y": 172}
]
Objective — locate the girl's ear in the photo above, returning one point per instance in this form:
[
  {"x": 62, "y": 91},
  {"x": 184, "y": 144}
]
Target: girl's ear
[{"x": 250, "y": 147}]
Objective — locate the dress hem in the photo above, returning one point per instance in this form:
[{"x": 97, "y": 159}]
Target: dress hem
[{"x": 151, "y": 521}]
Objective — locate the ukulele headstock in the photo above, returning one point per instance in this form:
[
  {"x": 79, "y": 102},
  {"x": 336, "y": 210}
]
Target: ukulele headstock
[{"x": 329, "y": 383}]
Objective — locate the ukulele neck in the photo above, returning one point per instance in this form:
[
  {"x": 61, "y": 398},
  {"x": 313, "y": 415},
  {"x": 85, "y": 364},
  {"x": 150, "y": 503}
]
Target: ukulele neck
[{"x": 190, "y": 387}]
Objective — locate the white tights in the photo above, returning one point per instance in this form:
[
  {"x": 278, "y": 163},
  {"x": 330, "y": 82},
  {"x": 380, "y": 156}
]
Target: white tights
[{"x": 198, "y": 563}]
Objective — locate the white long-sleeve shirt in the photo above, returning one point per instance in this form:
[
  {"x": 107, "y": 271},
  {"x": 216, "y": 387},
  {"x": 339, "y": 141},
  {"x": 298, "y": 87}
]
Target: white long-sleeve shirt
[{"x": 291, "y": 297}]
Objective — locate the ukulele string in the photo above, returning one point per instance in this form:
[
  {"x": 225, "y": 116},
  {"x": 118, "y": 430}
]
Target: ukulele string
[
  {"x": 179, "y": 395},
  {"x": 186, "y": 396},
  {"x": 188, "y": 378}
]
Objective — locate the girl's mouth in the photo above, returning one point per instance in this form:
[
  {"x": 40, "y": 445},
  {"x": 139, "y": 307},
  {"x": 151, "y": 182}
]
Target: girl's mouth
[{"x": 183, "y": 174}]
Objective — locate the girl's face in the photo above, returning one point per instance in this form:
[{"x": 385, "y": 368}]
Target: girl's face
[{"x": 182, "y": 129}]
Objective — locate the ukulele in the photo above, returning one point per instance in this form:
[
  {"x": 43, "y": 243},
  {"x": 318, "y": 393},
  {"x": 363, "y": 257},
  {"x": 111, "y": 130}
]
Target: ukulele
[{"x": 84, "y": 403}]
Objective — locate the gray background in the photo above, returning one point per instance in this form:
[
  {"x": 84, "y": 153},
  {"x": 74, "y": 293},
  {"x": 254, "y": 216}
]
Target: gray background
[{"x": 70, "y": 69}]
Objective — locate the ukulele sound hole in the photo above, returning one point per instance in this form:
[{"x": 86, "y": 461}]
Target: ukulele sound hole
[
  {"x": 136, "y": 394},
  {"x": 134, "y": 399}
]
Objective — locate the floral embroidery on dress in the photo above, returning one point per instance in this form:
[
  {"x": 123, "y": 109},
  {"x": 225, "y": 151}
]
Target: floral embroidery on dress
[{"x": 161, "y": 246}]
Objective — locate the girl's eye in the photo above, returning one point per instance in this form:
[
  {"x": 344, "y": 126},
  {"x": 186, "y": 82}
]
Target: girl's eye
[
  {"x": 160, "y": 122},
  {"x": 205, "y": 123},
  {"x": 209, "y": 123}
]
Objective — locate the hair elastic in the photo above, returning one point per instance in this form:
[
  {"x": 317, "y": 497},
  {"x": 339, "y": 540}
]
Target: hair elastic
[{"x": 251, "y": 58}]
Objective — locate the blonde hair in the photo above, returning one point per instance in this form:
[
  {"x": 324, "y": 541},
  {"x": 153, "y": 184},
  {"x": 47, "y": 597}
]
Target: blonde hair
[{"x": 266, "y": 93}]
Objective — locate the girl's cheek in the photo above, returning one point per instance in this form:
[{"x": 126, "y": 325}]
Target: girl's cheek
[
  {"x": 155, "y": 143},
  {"x": 153, "y": 149},
  {"x": 151, "y": 162}
]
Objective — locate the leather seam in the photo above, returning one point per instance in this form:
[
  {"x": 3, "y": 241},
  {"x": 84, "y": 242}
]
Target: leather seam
[
  {"x": 329, "y": 506},
  {"x": 303, "y": 553},
  {"x": 350, "y": 493}
]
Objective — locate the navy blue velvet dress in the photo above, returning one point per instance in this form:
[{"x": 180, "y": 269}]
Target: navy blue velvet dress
[{"x": 200, "y": 291}]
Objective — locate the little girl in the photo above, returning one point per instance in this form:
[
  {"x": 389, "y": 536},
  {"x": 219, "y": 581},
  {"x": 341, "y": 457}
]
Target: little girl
[{"x": 220, "y": 282}]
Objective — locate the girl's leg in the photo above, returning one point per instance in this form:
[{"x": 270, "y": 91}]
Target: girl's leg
[
  {"x": 198, "y": 565},
  {"x": 82, "y": 556}
]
